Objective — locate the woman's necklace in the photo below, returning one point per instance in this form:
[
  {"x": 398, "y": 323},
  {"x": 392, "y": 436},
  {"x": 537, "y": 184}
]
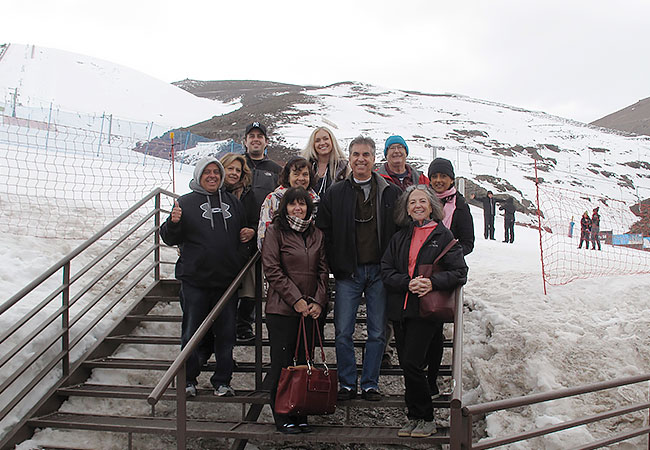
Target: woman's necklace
[{"x": 322, "y": 169}]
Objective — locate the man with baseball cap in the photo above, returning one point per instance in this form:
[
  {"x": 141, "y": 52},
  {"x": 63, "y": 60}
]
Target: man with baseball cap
[{"x": 265, "y": 179}]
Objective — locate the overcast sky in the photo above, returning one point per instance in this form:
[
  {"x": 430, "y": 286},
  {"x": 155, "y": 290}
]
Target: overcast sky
[{"x": 578, "y": 59}]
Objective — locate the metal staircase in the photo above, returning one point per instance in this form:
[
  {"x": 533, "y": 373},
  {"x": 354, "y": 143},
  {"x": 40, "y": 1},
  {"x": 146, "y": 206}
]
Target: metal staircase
[
  {"x": 119, "y": 300},
  {"x": 107, "y": 307}
]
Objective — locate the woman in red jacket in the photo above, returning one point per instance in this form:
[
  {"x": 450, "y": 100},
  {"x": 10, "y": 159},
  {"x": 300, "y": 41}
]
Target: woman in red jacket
[{"x": 293, "y": 257}]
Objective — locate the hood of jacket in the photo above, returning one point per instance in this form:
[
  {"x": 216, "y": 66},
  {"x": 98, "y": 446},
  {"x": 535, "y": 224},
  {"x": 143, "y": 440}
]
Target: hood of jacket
[{"x": 195, "y": 183}]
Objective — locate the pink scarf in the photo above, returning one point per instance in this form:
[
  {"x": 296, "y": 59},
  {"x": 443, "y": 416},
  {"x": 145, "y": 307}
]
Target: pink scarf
[{"x": 448, "y": 199}]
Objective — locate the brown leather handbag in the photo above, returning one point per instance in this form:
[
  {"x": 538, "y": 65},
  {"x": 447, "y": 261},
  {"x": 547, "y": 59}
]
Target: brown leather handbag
[
  {"x": 306, "y": 389},
  {"x": 437, "y": 304}
]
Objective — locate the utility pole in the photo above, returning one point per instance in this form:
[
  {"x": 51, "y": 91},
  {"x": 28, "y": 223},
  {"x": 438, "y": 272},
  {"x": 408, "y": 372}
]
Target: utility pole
[
  {"x": 110, "y": 128},
  {"x": 13, "y": 113}
]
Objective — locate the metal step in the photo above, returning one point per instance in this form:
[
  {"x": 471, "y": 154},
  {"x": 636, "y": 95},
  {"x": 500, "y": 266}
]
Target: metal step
[
  {"x": 161, "y": 298},
  {"x": 242, "y": 367},
  {"x": 142, "y": 393},
  {"x": 173, "y": 340},
  {"x": 154, "y": 318},
  {"x": 178, "y": 318},
  {"x": 335, "y": 434},
  {"x": 207, "y": 395}
]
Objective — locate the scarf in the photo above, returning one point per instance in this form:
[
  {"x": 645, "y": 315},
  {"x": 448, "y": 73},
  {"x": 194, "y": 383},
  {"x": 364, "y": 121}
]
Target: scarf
[
  {"x": 298, "y": 224},
  {"x": 448, "y": 199},
  {"x": 235, "y": 189}
]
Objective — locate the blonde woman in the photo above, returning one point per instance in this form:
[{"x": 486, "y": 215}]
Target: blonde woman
[{"x": 327, "y": 159}]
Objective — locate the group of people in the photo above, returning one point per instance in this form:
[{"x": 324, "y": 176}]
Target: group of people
[
  {"x": 489, "y": 212},
  {"x": 322, "y": 214},
  {"x": 590, "y": 229}
]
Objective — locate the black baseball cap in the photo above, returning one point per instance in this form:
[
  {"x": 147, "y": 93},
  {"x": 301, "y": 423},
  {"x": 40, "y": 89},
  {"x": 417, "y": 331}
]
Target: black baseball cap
[{"x": 257, "y": 125}]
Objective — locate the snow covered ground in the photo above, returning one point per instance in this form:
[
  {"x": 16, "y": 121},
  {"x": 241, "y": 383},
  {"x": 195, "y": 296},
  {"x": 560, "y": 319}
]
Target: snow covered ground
[{"x": 517, "y": 341}]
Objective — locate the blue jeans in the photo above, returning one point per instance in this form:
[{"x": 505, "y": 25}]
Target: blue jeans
[
  {"x": 197, "y": 302},
  {"x": 365, "y": 280}
]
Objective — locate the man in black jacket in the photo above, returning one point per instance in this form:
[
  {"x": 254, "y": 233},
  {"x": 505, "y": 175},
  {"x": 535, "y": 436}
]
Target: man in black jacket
[
  {"x": 265, "y": 179},
  {"x": 356, "y": 215},
  {"x": 206, "y": 226},
  {"x": 509, "y": 220},
  {"x": 489, "y": 211}
]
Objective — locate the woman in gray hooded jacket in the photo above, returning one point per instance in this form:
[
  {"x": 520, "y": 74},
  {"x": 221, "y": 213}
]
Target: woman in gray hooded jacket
[{"x": 206, "y": 225}]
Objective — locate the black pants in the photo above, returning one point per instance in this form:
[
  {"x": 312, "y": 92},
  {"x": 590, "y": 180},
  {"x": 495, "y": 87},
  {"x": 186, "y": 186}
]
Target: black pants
[
  {"x": 489, "y": 226},
  {"x": 197, "y": 303},
  {"x": 283, "y": 331},
  {"x": 245, "y": 315},
  {"x": 414, "y": 337},
  {"x": 509, "y": 225},
  {"x": 594, "y": 240},
  {"x": 584, "y": 237},
  {"x": 434, "y": 358}
]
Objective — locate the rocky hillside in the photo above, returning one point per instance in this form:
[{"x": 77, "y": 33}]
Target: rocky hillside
[{"x": 633, "y": 119}]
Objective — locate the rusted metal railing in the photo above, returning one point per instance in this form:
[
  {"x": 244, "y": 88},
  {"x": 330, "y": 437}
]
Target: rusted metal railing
[
  {"x": 44, "y": 341},
  {"x": 177, "y": 368},
  {"x": 470, "y": 412}
]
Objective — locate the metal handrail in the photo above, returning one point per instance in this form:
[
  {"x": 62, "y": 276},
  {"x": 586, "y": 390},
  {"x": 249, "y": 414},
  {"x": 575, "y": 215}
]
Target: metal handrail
[
  {"x": 457, "y": 349},
  {"x": 116, "y": 300},
  {"x": 106, "y": 252},
  {"x": 489, "y": 443},
  {"x": 526, "y": 400},
  {"x": 74, "y": 253},
  {"x": 470, "y": 412},
  {"x": 456, "y": 402},
  {"x": 44, "y": 356},
  {"x": 96, "y": 279},
  {"x": 180, "y": 360}
]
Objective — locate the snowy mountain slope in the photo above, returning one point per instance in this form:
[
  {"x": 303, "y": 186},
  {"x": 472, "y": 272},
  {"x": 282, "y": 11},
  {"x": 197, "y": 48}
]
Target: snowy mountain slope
[
  {"x": 84, "y": 84},
  {"x": 492, "y": 145},
  {"x": 516, "y": 340}
]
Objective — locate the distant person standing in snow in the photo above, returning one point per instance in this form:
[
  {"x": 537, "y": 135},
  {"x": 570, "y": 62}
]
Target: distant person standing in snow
[
  {"x": 456, "y": 217},
  {"x": 489, "y": 211},
  {"x": 326, "y": 158},
  {"x": 207, "y": 226},
  {"x": 585, "y": 230},
  {"x": 595, "y": 229},
  {"x": 265, "y": 179},
  {"x": 508, "y": 209}
]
